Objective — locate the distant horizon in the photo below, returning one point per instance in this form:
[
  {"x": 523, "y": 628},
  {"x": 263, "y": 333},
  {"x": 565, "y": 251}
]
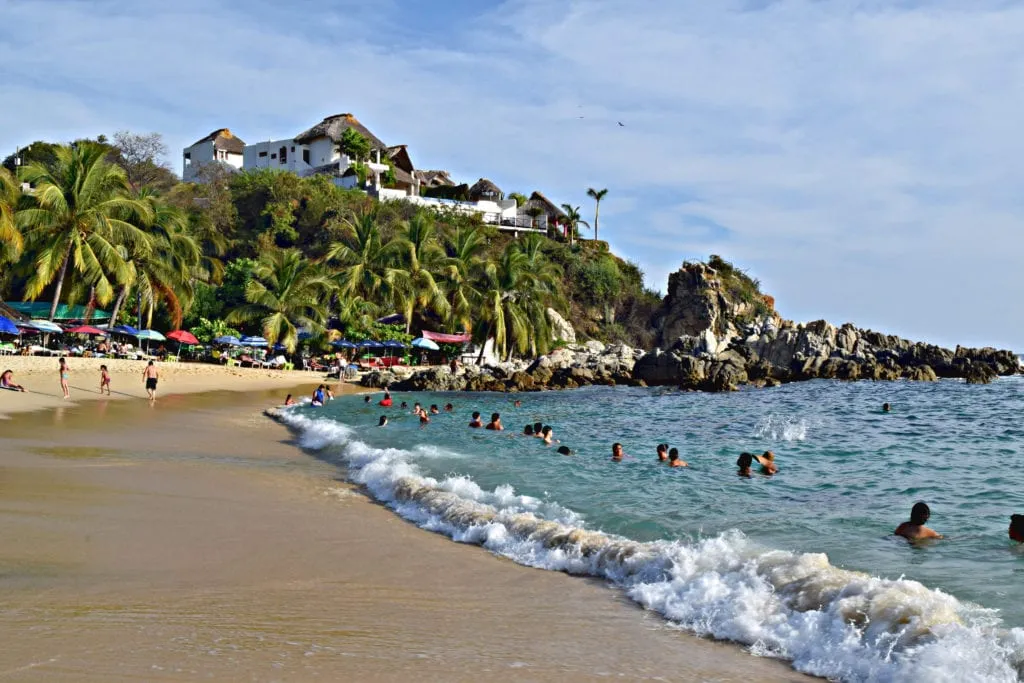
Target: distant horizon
[{"x": 858, "y": 158}]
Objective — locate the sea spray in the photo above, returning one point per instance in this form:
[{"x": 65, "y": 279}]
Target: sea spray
[{"x": 828, "y": 621}]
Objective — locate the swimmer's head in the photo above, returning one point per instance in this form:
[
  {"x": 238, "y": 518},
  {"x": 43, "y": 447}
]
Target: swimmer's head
[
  {"x": 744, "y": 461},
  {"x": 920, "y": 513},
  {"x": 1017, "y": 528},
  {"x": 383, "y": 421},
  {"x": 885, "y": 407},
  {"x": 528, "y": 430},
  {"x": 564, "y": 450},
  {"x": 673, "y": 454}
]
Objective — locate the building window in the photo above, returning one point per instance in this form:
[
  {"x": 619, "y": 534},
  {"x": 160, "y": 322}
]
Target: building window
[
  {"x": 283, "y": 155},
  {"x": 188, "y": 158},
  {"x": 305, "y": 156},
  {"x": 293, "y": 149},
  {"x": 273, "y": 156},
  {"x": 263, "y": 154}
]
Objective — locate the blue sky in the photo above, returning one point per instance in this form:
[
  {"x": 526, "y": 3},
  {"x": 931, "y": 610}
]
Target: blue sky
[{"x": 860, "y": 157}]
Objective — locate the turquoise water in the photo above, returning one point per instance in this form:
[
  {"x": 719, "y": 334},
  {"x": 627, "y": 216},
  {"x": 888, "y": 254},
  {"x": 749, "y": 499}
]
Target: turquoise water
[{"x": 710, "y": 541}]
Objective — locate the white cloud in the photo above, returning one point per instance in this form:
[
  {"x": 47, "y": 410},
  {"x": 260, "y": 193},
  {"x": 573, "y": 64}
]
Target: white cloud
[{"x": 861, "y": 156}]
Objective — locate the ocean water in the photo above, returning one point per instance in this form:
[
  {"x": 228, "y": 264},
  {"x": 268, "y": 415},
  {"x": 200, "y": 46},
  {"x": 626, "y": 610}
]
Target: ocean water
[{"x": 800, "y": 566}]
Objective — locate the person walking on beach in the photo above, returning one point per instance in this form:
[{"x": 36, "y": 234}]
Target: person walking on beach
[
  {"x": 915, "y": 529},
  {"x": 64, "y": 377},
  {"x": 104, "y": 380},
  {"x": 151, "y": 375},
  {"x": 495, "y": 423}
]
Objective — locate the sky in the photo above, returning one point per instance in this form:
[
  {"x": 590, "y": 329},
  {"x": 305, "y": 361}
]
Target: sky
[{"x": 861, "y": 158}]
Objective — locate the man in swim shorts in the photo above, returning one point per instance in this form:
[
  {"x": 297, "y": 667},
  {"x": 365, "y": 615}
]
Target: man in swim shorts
[{"x": 151, "y": 375}]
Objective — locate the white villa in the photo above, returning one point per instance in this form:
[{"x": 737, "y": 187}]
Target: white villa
[{"x": 390, "y": 174}]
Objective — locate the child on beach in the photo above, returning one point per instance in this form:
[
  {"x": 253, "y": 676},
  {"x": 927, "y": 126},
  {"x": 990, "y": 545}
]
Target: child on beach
[
  {"x": 104, "y": 380},
  {"x": 64, "y": 377}
]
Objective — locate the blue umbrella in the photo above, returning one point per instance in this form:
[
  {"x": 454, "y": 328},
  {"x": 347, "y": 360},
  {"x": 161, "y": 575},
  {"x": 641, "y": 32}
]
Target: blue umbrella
[
  {"x": 255, "y": 342},
  {"x": 125, "y": 329},
  {"x": 279, "y": 347},
  {"x": 343, "y": 344},
  {"x": 371, "y": 344},
  {"x": 45, "y": 326},
  {"x": 228, "y": 340},
  {"x": 422, "y": 343},
  {"x": 8, "y": 327},
  {"x": 394, "y": 344}
]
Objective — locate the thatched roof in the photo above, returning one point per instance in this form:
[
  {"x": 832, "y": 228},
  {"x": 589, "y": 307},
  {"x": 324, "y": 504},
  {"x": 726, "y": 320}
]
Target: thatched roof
[
  {"x": 404, "y": 177},
  {"x": 333, "y": 126},
  {"x": 434, "y": 178},
  {"x": 544, "y": 204},
  {"x": 485, "y": 189},
  {"x": 399, "y": 155},
  {"x": 224, "y": 139}
]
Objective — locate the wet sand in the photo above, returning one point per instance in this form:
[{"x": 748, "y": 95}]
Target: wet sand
[{"x": 191, "y": 539}]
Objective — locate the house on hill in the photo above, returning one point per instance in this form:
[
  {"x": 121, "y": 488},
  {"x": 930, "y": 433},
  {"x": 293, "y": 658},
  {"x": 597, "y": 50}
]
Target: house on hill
[
  {"x": 404, "y": 172},
  {"x": 485, "y": 190},
  {"x": 221, "y": 146},
  {"x": 430, "y": 179},
  {"x": 540, "y": 212}
]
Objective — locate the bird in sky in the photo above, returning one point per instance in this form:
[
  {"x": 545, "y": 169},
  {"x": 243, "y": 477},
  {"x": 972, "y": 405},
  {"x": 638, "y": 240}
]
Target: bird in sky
[{"x": 621, "y": 124}]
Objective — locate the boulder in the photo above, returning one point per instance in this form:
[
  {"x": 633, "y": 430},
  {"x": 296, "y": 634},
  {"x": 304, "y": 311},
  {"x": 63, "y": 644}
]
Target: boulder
[{"x": 561, "y": 330}]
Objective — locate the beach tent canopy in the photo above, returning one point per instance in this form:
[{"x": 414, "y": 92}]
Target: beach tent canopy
[
  {"x": 421, "y": 343},
  {"x": 255, "y": 342},
  {"x": 183, "y": 337},
  {"x": 152, "y": 335},
  {"x": 41, "y": 309},
  {"x": 445, "y": 338},
  {"x": 7, "y": 326},
  {"x": 125, "y": 329},
  {"x": 86, "y": 329},
  {"x": 228, "y": 340},
  {"x": 45, "y": 326}
]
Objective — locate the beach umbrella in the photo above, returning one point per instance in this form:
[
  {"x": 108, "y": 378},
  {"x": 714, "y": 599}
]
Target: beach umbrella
[
  {"x": 151, "y": 335},
  {"x": 370, "y": 344},
  {"x": 343, "y": 344},
  {"x": 45, "y": 326},
  {"x": 255, "y": 342},
  {"x": 183, "y": 337},
  {"x": 422, "y": 343},
  {"x": 125, "y": 329},
  {"x": 227, "y": 340},
  {"x": 394, "y": 344},
  {"x": 86, "y": 329},
  {"x": 8, "y": 327}
]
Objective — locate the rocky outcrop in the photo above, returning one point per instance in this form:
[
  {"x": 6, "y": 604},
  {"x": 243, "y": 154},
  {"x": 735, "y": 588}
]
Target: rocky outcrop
[
  {"x": 769, "y": 351},
  {"x": 561, "y": 330},
  {"x": 565, "y": 368}
]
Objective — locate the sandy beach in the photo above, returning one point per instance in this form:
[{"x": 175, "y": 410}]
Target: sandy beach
[
  {"x": 191, "y": 539},
  {"x": 39, "y": 376}
]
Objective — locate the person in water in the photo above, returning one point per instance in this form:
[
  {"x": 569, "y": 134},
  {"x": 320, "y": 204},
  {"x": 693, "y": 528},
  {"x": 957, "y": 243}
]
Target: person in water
[
  {"x": 517, "y": 403},
  {"x": 564, "y": 450},
  {"x": 386, "y": 401},
  {"x": 767, "y": 461},
  {"x": 476, "y": 422},
  {"x": 328, "y": 392},
  {"x": 288, "y": 400},
  {"x": 104, "y": 380},
  {"x": 547, "y": 434},
  {"x": 366, "y": 399},
  {"x": 434, "y": 410},
  {"x": 495, "y": 423},
  {"x": 7, "y": 381},
  {"x": 662, "y": 452},
  {"x": 318, "y": 397},
  {"x": 915, "y": 529},
  {"x": 417, "y": 409},
  {"x": 404, "y": 405},
  {"x": 674, "y": 459},
  {"x": 383, "y": 421},
  {"x": 743, "y": 464},
  {"x": 528, "y": 430},
  {"x": 448, "y": 407},
  {"x": 1017, "y": 528},
  {"x": 617, "y": 453},
  {"x": 885, "y": 407},
  {"x": 538, "y": 427},
  {"x": 424, "y": 418}
]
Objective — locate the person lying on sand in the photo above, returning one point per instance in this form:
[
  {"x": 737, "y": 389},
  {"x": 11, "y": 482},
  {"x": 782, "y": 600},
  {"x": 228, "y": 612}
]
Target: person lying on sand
[
  {"x": 674, "y": 460},
  {"x": 915, "y": 529},
  {"x": 767, "y": 462},
  {"x": 7, "y": 381},
  {"x": 1017, "y": 528}
]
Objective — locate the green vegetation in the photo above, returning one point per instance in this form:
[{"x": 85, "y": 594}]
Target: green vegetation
[
  {"x": 270, "y": 253},
  {"x": 739, "y": 286}
]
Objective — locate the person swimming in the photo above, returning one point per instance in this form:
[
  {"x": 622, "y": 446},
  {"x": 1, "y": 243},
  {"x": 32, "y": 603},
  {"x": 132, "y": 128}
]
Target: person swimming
[
  {"x": 743, "y": 463},
  {"x": 547, "y": 434},
  {"x": 915, "y": 529},
  {"x": 404, "y": 405},
  {"x": 448, "y": 407},
  {"x": 476, "y": 422},
  {"x": 564, "y": 450},
  {"x": 767, "y": 462},
  {"x": 318, "y": 397},
  {"x": 288, "y": 400},
  {"x": 885, "y": 407},
  {"x": 538, "y": 427},
  {"x": 528, "y": 430},
  {"x": 1017, "y": 528},
  {"x": 366, "y": 399},
  {"x": 517, "y": 404},
  {"x": 617, "y": 453},
  {"x": 662, "y": 452},
  {"x": 417, "y": 408},
  {"x": 383, "y": 421},
  {"x": 424, "y": 418},
  {"x": 434, "y": 410},
  {"x": 386, "y": 402},
  {"x": 495, "y": 423},
  {"x": 673, "y": 459}
]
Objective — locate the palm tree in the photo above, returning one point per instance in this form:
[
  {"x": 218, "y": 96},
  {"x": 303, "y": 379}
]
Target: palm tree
[
  {"x": 597, "y": 195},
  {"x": 463, "y": 263},
  {"x": 11, "y": 241},
  {"x": 572, "y": 221},
  {"x": 78, "y": 216},
  {"x": 286, "y": 292},
  {"x": 499, "y": 316},
  {"x": 421, "y": 257},
  {"x": 544, "y": 291},
  {"x": 367, "y": 262}
]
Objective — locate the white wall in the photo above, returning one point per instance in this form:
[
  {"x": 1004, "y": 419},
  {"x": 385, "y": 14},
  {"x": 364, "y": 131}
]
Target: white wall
[{"x": 192, "y": 158}]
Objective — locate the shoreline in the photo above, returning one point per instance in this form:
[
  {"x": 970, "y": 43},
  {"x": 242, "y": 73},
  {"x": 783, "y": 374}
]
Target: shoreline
[{"x": 192, "y": 537}]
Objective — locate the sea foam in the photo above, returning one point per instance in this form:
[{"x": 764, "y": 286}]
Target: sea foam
[{"x": 827, "y": 621}]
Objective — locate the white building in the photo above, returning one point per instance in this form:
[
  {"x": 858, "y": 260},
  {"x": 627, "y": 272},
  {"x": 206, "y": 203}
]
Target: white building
[{"x": 220, "y": 146}]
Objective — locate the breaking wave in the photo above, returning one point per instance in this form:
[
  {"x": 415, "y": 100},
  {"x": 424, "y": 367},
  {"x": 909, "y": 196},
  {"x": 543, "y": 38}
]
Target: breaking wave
[{"x": 827, "y": 621}]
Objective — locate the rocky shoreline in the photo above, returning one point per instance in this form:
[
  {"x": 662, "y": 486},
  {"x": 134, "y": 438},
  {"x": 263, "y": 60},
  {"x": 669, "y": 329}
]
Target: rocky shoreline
[{"x": 718, "y": 333}]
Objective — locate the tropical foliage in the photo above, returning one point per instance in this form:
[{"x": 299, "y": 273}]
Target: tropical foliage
[{"x": 270, "y": 253}]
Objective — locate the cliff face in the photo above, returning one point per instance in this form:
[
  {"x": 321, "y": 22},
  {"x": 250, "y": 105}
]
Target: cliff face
[{"x": 718, "y": 331}]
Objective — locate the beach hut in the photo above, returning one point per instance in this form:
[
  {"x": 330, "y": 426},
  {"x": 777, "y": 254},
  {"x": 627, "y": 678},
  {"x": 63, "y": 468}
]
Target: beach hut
[{"x": 484, "y": 190}]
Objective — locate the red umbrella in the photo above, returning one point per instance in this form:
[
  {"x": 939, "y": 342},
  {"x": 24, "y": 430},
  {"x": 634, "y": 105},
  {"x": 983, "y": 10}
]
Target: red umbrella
[
  {"x": 86, "y": 329},
  {"x": 182, "y": 337}
]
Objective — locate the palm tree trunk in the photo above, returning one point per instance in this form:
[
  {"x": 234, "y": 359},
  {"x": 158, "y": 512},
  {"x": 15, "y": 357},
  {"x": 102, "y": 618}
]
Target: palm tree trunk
[
  {"x": 90, "y": 306},
  {"x": 483, "y": 345},
  {"x": 117, "y": 306},
  {"x": 60, "y": 283},
  {"x": 597, "y": 212}
]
